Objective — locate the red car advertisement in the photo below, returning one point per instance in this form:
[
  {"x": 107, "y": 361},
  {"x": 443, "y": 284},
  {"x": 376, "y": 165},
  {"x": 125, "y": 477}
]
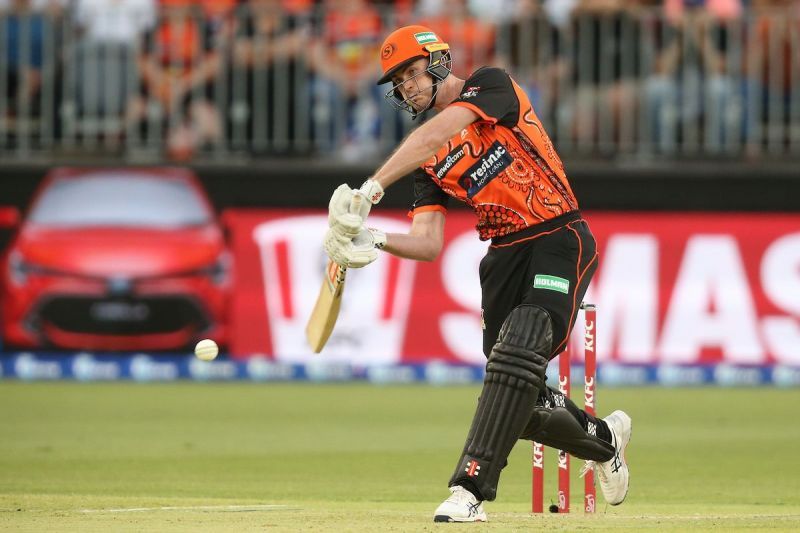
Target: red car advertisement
[
  {"x": 671, "y": 288},
  {"x": 116, "y": 259}
]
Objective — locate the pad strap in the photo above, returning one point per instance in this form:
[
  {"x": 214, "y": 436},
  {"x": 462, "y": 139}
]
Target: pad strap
[{"x": 558, "y": 429}]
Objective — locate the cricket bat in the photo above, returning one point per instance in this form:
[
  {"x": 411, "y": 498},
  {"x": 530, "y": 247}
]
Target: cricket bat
[{"x": 326, "y": 310}]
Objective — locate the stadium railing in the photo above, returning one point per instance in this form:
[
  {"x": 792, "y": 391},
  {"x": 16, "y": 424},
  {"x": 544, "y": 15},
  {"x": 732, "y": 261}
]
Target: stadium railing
[{"x": 256, "y": 82}]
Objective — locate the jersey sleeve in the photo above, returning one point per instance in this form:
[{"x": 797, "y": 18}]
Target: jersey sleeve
[
  {"x": 490, "y": 93},
  {"x": 427, "y": 195}
]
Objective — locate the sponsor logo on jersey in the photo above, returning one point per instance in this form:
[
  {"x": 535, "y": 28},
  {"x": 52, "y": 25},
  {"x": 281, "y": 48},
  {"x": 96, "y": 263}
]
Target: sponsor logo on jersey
[
  {"x": 425, "y": 37},
  {"x": 447, "y": 163},
  {"x": 552, "y": 283},
  {"x": 470, "y": 92},
  {"x": 485, "y": 169}
]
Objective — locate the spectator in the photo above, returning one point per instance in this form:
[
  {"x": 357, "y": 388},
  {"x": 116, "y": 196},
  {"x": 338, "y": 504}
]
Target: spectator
[
  {"x": 605, "y": 77},
  {"x": 115, "y": 21},
  {"x": 690, "y": 82},
  {"x": 270, "y": 40},
  {"x": 217, "y": 9},
  {"x": 23, "y": 48},
  {"x": 51, "y": 8},
  {"x": 345, "y": 99},
  {"x": 106, "y": 74},
  {"x": 533, "y": 44},
  {"x": 768, "y": 66},
  {"x": 429, "y": 8},
  {"x": 396, "y": 11},
  {"x": 179, "y": 64},
  {"x": 497, "y": 11},
  {"x": 472, "y": 41},
  {"x": 219, "y": 15}
]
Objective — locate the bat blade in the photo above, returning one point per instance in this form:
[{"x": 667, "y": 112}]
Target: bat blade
[{"x": 326, "y": 310}]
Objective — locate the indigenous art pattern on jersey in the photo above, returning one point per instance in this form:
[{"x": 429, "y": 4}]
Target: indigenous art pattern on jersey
[{"x": 504, "y": 165}]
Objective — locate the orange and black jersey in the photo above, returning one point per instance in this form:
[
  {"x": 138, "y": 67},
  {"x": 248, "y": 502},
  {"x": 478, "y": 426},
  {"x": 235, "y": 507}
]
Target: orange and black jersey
[{"x": 503, "y": 165}]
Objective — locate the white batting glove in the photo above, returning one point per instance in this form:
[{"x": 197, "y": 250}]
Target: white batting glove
[
  {"x": 356, "y": 253},
  {"x": 377, "y": 237},
  {"x": 372, "y": 191},
  {"x": 340, "y": 205},
  {"x": 336, "y": 246},
  {"x": 346, "y": 225}
]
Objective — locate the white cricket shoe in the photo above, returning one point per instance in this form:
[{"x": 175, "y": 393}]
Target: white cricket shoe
[
  {"x": 461, "y": 506},
  {"x": 613, "y": 474}
]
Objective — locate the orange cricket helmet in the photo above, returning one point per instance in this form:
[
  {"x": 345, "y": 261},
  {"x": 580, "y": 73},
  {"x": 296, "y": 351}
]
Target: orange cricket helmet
[{"x": 409, "y": 43}]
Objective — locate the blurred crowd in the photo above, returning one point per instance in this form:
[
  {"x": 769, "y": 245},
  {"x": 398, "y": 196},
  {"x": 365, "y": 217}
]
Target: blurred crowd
[{"x": 292, "y": 77}]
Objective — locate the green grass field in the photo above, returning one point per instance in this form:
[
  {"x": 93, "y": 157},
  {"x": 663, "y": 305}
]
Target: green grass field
[{"x": 289, "y": 457}]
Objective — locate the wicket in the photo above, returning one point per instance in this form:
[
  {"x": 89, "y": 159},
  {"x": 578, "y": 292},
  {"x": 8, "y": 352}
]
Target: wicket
[{"x": 589, "y": 405}]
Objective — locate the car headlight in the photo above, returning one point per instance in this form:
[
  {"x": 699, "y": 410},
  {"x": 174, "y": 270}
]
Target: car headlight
[
  {"x": 220, "y": 271},
  {"x": 20, "y": 270}
]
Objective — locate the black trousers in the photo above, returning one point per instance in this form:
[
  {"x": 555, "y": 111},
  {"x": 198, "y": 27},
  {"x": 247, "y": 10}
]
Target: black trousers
[{"x": 549, "y": 265}]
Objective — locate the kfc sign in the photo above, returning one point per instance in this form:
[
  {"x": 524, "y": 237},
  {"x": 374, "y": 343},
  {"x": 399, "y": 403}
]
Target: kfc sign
[{"x": 672, "y": 288}]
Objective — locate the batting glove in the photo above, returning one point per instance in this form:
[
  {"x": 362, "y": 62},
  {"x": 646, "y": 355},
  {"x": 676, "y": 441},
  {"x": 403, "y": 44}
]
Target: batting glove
[
  {"x": 355, "y": 253},
  {"x": 339, "y": 205}
]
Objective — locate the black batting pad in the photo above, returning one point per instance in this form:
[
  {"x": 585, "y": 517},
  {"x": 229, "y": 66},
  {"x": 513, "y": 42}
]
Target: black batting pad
[{"x": 514, "y": 375}]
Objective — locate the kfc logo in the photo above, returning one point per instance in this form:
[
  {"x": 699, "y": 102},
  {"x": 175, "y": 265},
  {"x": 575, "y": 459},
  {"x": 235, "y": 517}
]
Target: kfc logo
[{"x": 538, "y": 455}]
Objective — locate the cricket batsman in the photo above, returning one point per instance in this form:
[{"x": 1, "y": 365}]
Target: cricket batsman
[{"x": 486, "y": 147}]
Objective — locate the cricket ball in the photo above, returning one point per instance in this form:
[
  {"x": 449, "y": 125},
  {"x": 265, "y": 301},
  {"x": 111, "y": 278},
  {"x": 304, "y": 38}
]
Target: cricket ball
[{"x": 206, "y": 350}]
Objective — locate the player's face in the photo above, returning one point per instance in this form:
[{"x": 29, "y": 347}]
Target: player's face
[{"x": 415, "y": 84}]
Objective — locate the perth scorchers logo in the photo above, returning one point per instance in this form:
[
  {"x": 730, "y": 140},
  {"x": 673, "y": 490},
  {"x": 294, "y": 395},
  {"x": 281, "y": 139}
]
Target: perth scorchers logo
[{"x": 387, "y": 51}]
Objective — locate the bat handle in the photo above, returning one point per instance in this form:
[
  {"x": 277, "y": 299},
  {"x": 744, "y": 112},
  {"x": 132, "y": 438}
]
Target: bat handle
[{"x": 355, "y": 203}]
